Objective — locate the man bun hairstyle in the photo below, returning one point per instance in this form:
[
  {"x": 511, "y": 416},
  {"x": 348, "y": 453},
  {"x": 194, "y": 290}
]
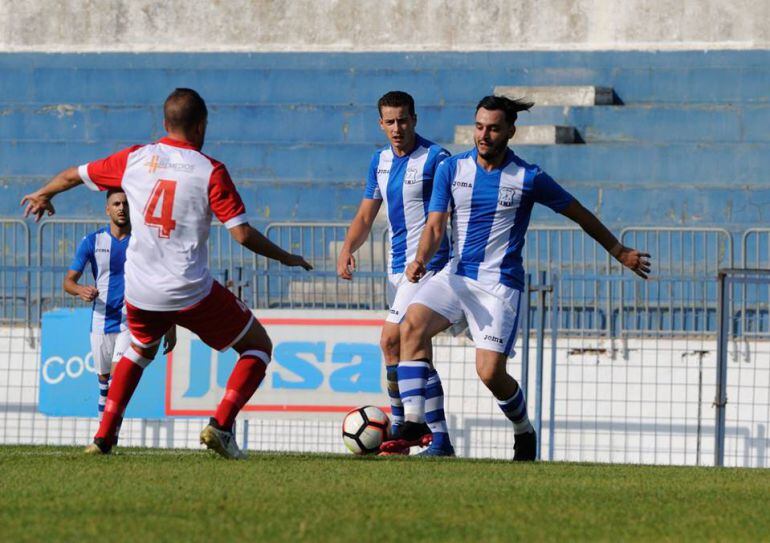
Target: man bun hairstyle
[
  {"x": 184, "y": 109},
  {"x": 396, "y": 99},
  {"x": 502, "y": 103}
]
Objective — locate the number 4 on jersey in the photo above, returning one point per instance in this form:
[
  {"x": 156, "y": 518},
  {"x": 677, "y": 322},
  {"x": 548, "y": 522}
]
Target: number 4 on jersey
[{"x": 163, "y": 191}]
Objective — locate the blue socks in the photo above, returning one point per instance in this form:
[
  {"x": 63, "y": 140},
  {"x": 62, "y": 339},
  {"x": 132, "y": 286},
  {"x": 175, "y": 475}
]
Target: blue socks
[
  {"x": 104, "y": 387},
  {"x": 515, "y": 408},
  {"x": 396, "y": 407},
  {"x": 434, "y": 410},
  {"x": 412, "y": 378},
  {"x": 423, "y": 398}
]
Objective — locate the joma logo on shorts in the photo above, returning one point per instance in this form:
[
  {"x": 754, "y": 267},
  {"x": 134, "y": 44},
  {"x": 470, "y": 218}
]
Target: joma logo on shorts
[{"x": 493, "y": 338}]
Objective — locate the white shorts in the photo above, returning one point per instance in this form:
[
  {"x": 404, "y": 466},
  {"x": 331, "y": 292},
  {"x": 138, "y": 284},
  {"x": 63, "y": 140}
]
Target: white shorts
[
  {"x": 108, "y": 349},
  {"x": 400, "y": 294},
  {"x": 492, "y": 312}
]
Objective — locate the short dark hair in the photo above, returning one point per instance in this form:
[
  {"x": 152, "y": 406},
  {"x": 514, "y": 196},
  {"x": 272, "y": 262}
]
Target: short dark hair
[
  {"x": 184, "y": 109},
  {"x": 510, "y": 107},
  {"x": 110, "y": 192},
  {"x": 396, "y": 99}
]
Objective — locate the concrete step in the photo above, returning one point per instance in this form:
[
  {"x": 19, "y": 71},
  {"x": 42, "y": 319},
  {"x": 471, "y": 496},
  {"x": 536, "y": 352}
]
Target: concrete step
[
  {"x": 342, "y": 165},
  {"x": 359, "y": 124},
  {"x": 561, "y": 95},
  {"x": 229, "y": 122},
  {"x": 673, "y": 123},
  {"x": 526, "y": 135},
  {"x": 618, "y": 201},
  {"x": 341, "y": 80}
]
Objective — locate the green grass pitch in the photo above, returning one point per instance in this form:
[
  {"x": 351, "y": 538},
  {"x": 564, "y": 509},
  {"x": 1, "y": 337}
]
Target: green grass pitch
[{"x": 59, "y": 494}]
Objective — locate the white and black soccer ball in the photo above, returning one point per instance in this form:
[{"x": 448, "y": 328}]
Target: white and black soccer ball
[{"x": 364, "y": 429}]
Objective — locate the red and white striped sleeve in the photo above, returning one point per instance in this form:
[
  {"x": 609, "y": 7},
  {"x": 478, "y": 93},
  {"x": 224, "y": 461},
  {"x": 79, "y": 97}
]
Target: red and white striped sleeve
[
  {"x": 106, "y": 173},
  {"x": 224, "y": 199}
]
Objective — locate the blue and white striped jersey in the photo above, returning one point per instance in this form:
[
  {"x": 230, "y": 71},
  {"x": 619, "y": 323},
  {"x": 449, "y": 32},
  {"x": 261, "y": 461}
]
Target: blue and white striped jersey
[
  {"x": 107, "y": 256},
  {"x": 490, "y": 213},
  {"x": 405, "y": 184}
]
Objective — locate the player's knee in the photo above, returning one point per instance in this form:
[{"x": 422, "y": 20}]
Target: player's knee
[
  {"x": 412, "y": 331},
  {"x": 490, "y": 374},
  {"x": 390, "y": 343}
]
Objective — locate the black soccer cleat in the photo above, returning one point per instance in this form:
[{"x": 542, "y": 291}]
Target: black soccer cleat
[
  {"x": 414, "y": 431},
  {"x": 411, "y": 434},
  {"x": 525, "y": 447}
]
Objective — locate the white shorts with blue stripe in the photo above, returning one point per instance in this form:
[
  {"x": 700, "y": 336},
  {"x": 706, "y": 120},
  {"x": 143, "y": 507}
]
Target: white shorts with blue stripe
[
  {"x": 400, "y": 294},
  {"x": 492, "y": 312},
  {"x": 107, "y": 349}
]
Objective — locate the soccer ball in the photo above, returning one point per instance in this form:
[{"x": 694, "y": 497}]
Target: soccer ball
[{"x": 364, "y": 429}]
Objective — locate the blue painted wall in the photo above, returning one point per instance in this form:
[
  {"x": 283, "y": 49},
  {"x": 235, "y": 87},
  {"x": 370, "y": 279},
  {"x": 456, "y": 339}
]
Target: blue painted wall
[{"x": 689, "y": 145}]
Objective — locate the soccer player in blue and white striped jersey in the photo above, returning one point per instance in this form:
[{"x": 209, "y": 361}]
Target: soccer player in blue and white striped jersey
[
  {"x": 489, "y": 193},
  {"x": 401, "y": 177},
  {"x": 104, "y": 252}
]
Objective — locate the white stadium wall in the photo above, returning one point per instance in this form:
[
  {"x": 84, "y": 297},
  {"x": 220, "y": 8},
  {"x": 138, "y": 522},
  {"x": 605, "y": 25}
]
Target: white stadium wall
[
  {"x": 643, "y": 400},
  {"x": 381, "y": 25}
]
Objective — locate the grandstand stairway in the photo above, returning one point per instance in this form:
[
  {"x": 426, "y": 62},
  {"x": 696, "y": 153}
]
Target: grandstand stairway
[{"x": 671, "y": 138}]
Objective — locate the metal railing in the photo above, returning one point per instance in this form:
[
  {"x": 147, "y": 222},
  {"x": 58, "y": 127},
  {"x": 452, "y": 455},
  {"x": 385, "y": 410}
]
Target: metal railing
[{"x": 616, "y": 369}]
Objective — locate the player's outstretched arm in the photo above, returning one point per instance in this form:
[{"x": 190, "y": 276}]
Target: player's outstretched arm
[
  {"x": 86, "y": 293},
  {"x": 636, "y": 261},
  {"x": 359, "y": 230},
  {"x": 254, "y": 241},
  {"x": 39, "y": 203},
  {"x": 430, "y": 240}
]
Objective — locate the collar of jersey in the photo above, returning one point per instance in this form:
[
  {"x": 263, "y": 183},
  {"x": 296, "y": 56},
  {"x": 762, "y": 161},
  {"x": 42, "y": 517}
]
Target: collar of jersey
[
  {"x": 509, "y": 157},
  {"x": 176, "y": 143},
  {"x": 417, "y": 144},
  {"x": 107, "y": 230}
]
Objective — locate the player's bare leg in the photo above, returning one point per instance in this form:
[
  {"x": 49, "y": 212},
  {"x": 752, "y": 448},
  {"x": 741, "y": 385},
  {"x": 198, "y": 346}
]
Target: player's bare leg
[
  {"x": 125, "y": 378},
  {"x": 417, "y": 329},
  {"x": 491, "y": 368},
  {"x": 390, "y": 344},
  {"x": 255, "y": 349}
]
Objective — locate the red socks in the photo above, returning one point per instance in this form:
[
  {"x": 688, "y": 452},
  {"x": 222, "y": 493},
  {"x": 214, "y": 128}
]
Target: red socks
[
  {"x": 243, "y": 382},
  {"x": 124, "y": 380}
]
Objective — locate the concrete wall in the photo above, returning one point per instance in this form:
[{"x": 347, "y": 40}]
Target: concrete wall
[
  {"x": 381, "y": 25},
  {"x": 687, "y": 147}
]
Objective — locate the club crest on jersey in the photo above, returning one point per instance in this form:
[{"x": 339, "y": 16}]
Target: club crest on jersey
[
  {"x": 410, "y": 177},
  {"x": 505, "y": 197}
]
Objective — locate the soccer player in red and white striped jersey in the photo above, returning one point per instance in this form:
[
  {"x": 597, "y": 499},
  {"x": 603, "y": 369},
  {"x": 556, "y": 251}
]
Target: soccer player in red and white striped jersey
[{"x": 173, "y": 189}]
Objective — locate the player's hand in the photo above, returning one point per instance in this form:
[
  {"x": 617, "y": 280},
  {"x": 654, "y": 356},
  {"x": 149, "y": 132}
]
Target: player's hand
[
  {"x": 38, "y": 205},
  {"x": 415, "y": 271},
  {"x": 346, "y": 265},
  {"x": 88, "y": 293},
  {"x": 169, "y": 340},
  {"x": 296, "y": 260},
  {"x": 636, "y": 261}
]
